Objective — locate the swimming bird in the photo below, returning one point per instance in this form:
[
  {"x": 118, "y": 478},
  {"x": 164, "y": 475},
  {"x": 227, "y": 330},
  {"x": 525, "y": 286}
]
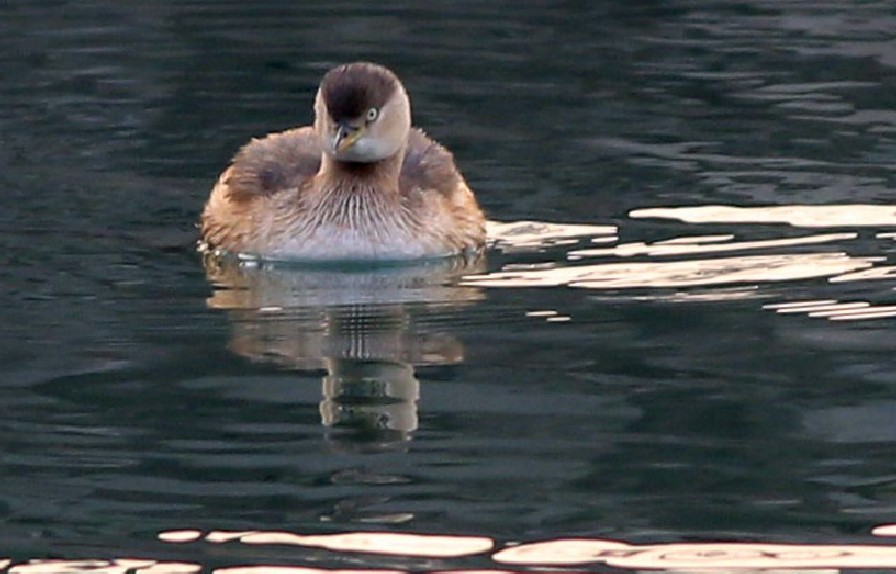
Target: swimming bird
[{"x": 360, "y": 183}]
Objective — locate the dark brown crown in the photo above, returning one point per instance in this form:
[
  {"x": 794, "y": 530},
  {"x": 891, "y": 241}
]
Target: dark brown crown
[{"x": 351, "y": 89}]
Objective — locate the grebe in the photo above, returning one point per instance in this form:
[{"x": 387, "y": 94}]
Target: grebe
[{"x": 361, "y": 183}]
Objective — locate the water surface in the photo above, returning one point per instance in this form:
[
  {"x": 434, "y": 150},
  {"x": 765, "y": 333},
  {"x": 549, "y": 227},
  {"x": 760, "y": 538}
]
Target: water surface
[{"x": 682, "y": 331}]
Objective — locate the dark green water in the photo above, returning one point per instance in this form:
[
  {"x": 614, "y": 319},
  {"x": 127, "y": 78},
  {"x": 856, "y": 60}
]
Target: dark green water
[{"x": 655, "y": 384}]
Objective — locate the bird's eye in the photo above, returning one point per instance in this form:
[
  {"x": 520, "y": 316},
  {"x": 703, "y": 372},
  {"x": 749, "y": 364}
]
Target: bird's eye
[{"x": 372, "y": 114}]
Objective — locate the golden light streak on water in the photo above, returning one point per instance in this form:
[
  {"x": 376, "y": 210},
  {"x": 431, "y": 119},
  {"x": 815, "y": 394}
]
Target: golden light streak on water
[
  {"x": 423, "y": 545},
  {"x": 699, "y": 272},
  {"x": 560, "y": 552},
  {"x": 873, "y": 312},
  {"x": 884, "y": 530},
  {"x": 881, "y": 272},
  {"x": 801, "y": 306},
  {"x": 841, "y": 309},
  {"x": 171, "y": 568},
  {"x": 677, "y": 558},
  {"x": 835, "y": 310},
  {"x": 222, "y": 536},
  {"x": 516, "y": 236},
  {"x": 844, "y": 215},
  {"x": 38, "y": 566},
  {"x": 116, "y": 566},
  {"x": 701, "y": 239},
  {"x": 296, "y": 570},
  {"x": 721, "y": 294},
  {"x": 700, "y": 556},
  {"x": 670, "y": 247},
  {"x": 541, "y": 313},
  {"x": 717, "y": 278},
  {"x": 180, "y": 536}
]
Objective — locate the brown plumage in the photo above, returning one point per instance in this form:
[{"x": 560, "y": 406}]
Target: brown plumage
[{"x": 359, "y": 184}]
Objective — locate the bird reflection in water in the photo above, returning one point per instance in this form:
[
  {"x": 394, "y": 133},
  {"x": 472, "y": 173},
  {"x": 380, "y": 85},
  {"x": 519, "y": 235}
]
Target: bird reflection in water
[{"x": 368, "y": 328}]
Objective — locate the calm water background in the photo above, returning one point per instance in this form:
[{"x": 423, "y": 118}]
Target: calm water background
[{"x": 142, "y": 393}]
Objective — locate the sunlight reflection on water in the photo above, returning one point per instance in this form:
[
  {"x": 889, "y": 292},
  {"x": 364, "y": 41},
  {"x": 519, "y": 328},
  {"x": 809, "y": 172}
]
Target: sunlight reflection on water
[
  {"x": 396, "y": 544},
  {"x": 720, "y": 278},
  {"x": 729, "y": 270},
  {"x": 835, "y": 310},
  {"x": 846, "y": 215},
  {"x": 568, "y": 552},
  {"x": 516, "y": 236},
  {"x": 713, "y": 244}
]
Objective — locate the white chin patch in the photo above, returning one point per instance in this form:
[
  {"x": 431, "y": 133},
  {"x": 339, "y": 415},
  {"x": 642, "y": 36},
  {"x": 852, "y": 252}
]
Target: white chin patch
[{"x": 366, "y": 150}]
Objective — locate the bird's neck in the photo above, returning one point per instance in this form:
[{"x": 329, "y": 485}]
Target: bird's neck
[{"x": 382, "y": 175}]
